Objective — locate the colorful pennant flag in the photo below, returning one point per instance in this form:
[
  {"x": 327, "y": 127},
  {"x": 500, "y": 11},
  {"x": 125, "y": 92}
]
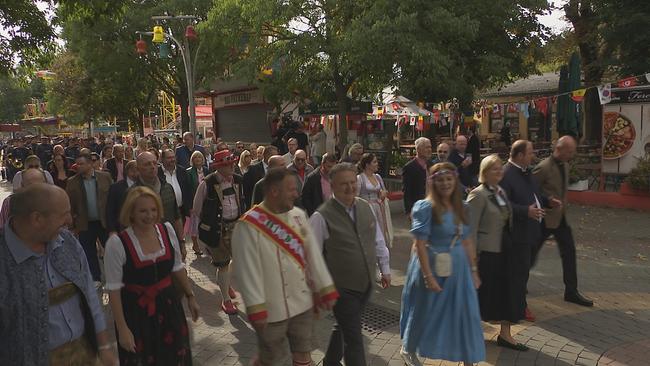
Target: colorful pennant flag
[
  {"x": 627, "y": 82},
  {"x": 578, "y": 95},
  {"x": 605, "y": 93}
]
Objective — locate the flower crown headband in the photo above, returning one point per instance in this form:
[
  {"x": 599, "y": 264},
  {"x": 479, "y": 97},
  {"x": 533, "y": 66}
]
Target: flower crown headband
[{"x": 442, "y": 172}]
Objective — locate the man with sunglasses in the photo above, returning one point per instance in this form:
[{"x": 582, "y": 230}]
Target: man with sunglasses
[{"x": 31, "y": 162}]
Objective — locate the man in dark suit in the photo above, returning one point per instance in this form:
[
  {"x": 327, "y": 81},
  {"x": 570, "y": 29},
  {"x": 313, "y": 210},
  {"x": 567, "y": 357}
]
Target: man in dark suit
[
  {"x": 317, "y": 185},
  {"x": 527, "y": 204},
  {"x": 184, "y": 152},
  {"x": 275, "y": 161},
  {"x": 116, "y": 165},
  {"x": 474, "y": 150},
  {"x": 463, "y": 161},
  {"x": 256, "y": 172},
  {"x": 414, "y": 174},
  {"x": 116, "y": 195},
  {"x": 552, "y": 175},
  {"x": 176, "y": 176}
]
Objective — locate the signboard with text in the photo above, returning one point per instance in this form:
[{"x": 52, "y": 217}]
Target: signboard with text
[{"x": 238, "y": 98}]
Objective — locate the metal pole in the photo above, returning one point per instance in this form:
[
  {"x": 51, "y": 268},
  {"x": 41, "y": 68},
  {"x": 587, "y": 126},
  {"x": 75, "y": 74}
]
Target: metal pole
[
  {"x": 185, "y": 54},
  {"x": 190, "y": 86}
]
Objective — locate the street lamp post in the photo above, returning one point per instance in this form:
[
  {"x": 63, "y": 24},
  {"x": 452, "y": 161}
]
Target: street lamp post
[{"x": 184, "y": 47}]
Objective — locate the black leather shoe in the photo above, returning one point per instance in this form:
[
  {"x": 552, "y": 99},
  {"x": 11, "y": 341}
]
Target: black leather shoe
[
  {"x": 517, "y": 347},
  {"x": 576, "y": 298}
]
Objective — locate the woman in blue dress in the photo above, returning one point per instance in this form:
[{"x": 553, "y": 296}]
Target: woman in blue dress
[{"x": 440, "y": 316}]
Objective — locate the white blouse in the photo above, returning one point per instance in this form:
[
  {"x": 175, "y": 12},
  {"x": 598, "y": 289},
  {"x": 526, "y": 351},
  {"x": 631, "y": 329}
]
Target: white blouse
[{"x": 115, "y": 257}]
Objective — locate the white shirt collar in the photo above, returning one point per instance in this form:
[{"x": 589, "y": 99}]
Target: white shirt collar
[{"x": 515, "y": 164}]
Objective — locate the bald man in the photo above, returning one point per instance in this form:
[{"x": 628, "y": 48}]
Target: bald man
[
  {"x": 300, "y": 167},
  {"x": 275, "y": 161},
  {"x": 29, "y": 176},
  {"x": 442, "y": 153},
  {"x": 51, "y": 323},
  {"x": 463, "y": 161},
  {"x": 552, "y": 175}
]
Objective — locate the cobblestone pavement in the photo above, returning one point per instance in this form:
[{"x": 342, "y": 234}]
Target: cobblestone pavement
[{"x": 613, "y": 250}]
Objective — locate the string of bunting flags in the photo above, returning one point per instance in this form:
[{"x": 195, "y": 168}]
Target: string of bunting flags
[{"x": 544, "y": 104}]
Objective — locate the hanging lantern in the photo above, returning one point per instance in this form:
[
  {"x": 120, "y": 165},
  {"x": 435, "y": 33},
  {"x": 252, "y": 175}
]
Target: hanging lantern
[
  {"x": 158, "y": 34},
  {"x": 190, "y": 33},
  {"x": 141, "y": 47},
  {"x": 163, "y": 51}
]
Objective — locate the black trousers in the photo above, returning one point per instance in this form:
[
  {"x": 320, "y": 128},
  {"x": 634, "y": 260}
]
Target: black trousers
[
  {"x": 346, "y": 341},
  {"x": 564, "y": 237},
  {"x": 88, "y": 239}
]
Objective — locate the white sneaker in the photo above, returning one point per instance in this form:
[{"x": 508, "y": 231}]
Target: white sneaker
[{"x": 410, "y": 359}]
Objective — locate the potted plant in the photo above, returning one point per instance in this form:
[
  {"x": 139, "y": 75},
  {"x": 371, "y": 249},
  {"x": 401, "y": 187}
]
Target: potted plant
[
  {"x": 578, "y": 180},
  {"x": 638, "y": 180},
  {"x": 397, "y": 162}
]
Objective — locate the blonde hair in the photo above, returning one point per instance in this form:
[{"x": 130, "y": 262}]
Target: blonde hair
[
  {"x": 456, "y": 197},
  {"x": 136, "y": 193},
  {"x": 243, "y": 154},
  {"x": 194, "y": 155},
  {"x": 486, "y": 164}
]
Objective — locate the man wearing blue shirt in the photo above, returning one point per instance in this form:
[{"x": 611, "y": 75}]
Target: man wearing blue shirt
[
  {"x": 50, "y": 313},
  {"x": 184, "y": 152}
]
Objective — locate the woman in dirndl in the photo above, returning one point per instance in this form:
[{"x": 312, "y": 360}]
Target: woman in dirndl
[
  {"x": 371, "y": 188},
  {"x": 140, "y": 263},
  {"x": 440, "y": 316},
  {"x": 195, "y": 175}
]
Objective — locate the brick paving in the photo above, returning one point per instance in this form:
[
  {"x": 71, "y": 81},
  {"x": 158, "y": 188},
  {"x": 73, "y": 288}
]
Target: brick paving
[{"x": 613, "y": 271}]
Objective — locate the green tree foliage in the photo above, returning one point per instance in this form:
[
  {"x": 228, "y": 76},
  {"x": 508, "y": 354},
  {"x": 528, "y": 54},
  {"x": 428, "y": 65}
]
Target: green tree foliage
[
  {"x": 611, "y": 38},
  {"x": 13, "y": 97},
  {"x": 446, "y": 49},
  {"x": 333, "y": 50},
  {"x": 318, "y": 49},
  {"x": 70, "y": 93},
  {"x": 557, "y": 51},
  {"x": 624, "y": 25},
  {"x": 102, "y": 34},
  {"x": 27, "y": 33}
]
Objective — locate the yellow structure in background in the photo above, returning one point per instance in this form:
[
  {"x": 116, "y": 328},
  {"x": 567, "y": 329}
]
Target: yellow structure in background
[{"x": 169, "y": 112}]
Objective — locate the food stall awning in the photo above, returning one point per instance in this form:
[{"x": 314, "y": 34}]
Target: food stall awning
[{"x": 395, "y": 105}]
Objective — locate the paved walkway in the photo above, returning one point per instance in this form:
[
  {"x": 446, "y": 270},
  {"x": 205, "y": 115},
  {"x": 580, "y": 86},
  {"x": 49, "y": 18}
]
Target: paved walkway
[{"x": 613, "y": 251}]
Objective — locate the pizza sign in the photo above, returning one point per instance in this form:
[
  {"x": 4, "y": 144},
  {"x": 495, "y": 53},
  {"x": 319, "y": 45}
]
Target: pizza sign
[{"x": 618, "y": 135}]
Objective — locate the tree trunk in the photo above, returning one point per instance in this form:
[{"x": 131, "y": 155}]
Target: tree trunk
[
  {"x": 342, "y": 101},
  {"x": 584, "y": 21},
  {"x": 140, "y": 121}
]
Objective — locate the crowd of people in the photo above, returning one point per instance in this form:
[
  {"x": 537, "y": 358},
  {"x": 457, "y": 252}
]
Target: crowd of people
[{"x": 301, "y": 230}]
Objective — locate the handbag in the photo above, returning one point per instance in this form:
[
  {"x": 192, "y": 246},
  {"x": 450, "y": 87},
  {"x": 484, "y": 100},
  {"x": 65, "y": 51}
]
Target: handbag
[{"x": 442, "y": 261}]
